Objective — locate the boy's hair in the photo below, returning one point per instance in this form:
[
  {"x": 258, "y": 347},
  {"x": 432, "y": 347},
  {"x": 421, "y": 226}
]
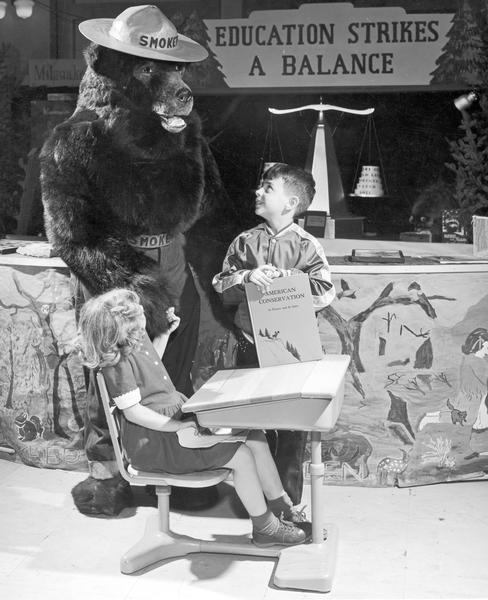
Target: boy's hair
[
  {"x": 298, "y": 181},
  {"x": 109, "y": 327}
]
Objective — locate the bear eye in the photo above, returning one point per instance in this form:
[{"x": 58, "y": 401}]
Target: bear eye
[{"x": 147, "y": 69}]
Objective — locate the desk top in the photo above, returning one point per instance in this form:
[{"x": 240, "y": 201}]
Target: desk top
[{"x": 236, "y": 387}]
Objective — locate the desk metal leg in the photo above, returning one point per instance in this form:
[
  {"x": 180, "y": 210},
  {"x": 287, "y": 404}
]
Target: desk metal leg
[
  {"x": 311, "y": 566},
  {"x": 316, "y": 482}
]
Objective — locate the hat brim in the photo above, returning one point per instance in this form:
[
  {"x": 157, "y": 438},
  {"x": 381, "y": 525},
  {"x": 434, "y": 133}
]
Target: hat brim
[{"x": 97, "y": 30}]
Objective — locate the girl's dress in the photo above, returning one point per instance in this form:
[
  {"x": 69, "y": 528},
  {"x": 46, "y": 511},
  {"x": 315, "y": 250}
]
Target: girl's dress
[{"x": 141, "y": 377}]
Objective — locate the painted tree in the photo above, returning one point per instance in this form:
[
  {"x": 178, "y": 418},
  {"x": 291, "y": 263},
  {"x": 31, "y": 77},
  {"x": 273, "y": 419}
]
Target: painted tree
[
  {"x": 6, "y": 362},
  {"x": 349, "y": 330},
  {"x": 464, "y": 57},
  {"x": 48, "y": 359}
]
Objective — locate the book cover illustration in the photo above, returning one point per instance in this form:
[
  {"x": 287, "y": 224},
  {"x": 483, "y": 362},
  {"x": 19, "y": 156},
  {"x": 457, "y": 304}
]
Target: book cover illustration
[{"x": 284, "y": 322}]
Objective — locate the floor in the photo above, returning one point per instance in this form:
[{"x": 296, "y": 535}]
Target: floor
[{"x": 423, "y": 542}]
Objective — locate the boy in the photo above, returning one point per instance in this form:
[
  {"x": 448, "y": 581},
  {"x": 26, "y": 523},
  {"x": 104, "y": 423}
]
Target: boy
[{"x": 276, "y": 248}]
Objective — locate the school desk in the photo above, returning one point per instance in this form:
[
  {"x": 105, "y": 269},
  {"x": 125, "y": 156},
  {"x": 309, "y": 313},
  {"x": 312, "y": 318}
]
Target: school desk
[{"x": 303, "y": 396}]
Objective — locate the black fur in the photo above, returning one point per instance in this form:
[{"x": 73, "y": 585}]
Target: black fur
[
  {"x": 426, "y": 212},
  {"x": 112, "y": 171},
  {"x": 102, "y": 496}
]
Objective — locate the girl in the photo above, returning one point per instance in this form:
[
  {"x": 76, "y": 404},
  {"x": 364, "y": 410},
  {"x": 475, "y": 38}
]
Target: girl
[{"x": 112, "y": 338}]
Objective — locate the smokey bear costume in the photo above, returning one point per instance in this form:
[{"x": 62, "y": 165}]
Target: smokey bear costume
[{"x": 122, "y": 180}]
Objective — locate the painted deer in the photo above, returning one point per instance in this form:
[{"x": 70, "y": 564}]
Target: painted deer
[{"x": 389, "y": 469}]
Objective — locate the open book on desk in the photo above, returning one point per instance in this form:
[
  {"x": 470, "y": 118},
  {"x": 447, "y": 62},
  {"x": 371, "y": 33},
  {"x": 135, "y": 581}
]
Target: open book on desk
[{"x": 191, "y": 437}]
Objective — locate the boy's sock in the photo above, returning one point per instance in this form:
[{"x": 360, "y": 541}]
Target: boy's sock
[
  {"x": 265, "y": 523},
  {"x": 280, "y": 505}
]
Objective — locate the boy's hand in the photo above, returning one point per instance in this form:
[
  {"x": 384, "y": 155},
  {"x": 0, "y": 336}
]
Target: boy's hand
[{"x": 263, "y": 276}]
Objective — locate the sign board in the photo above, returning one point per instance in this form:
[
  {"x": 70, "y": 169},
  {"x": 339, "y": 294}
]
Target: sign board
[
  {"x": 322, "y": 45},
  {"x": 56, "y": 73},
  {"x": 336, "y": 46}
]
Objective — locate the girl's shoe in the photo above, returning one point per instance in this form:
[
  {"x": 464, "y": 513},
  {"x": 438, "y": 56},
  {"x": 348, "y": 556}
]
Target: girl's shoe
[{"x": 285, "y": 534}]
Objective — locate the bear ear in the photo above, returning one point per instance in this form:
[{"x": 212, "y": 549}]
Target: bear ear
[
  {"x": 104, "y": 61},
  {"x": 92, "y": 54}
]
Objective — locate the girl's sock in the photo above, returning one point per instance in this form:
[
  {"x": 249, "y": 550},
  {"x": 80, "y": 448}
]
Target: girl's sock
[
  {"x": 282, "y": 504},
  {"x": 265, "y": 523}
]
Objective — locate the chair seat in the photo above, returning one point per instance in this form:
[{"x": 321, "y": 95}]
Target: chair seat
[{"x": 191, "y": 480}]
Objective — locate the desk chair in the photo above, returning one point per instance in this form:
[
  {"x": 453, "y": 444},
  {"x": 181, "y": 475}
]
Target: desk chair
[{"x": 159, "y": 542}]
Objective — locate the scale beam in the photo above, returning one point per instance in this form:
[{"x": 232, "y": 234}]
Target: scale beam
[
  {"x": 322, "y": 163},
  {"x": 321, "y": 108}
]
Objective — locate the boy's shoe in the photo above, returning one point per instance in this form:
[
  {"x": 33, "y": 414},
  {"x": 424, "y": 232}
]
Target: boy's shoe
[
  {"x": 285, "y": 534},
  {"x": 295, "y": 514},
  {"x": 298, "y": 517}
]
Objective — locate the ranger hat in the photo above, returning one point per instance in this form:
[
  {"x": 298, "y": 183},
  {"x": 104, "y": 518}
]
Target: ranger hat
[{"x": 143, "y": 31}]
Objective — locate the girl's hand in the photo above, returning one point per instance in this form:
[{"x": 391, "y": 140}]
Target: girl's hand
[
  {"x": 263, "y": 276},
  {"x": 161, "y": 341},
  {"x": 173, "y": 320},
  {"x": 186, "y": 424}
]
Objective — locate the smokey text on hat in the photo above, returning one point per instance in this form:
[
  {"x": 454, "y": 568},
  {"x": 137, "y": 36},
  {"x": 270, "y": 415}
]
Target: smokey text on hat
[{"x": 150, "y": 41}]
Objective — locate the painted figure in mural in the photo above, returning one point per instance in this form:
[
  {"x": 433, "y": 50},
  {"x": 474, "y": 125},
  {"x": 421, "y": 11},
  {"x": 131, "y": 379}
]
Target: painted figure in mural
[
  {"x": 276, "y": 248},
  {"x": 474, "y": 384},
  {"x": 113, "y": 339}
]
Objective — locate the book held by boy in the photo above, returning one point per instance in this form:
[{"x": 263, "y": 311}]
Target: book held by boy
[{"x": 283, "y": 321}]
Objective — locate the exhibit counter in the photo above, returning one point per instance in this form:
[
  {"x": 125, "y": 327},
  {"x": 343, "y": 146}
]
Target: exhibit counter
[
  {"x": 415, "y": 408},
  {"x": 415, "y": 404}
]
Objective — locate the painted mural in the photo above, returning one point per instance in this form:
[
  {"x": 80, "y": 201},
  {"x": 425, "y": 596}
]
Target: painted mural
[
  {"x": 416, "y": 403},
  {"x": 42, "y": 382},
  {"x": 42, "y": 386}
]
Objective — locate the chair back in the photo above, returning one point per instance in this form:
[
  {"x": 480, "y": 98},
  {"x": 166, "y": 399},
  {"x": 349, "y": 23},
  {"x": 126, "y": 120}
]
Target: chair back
[{"x": 113, "y": 422}]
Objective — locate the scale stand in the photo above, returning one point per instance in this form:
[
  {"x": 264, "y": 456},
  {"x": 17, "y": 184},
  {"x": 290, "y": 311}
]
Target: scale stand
[{"x": 322, "y": 163}]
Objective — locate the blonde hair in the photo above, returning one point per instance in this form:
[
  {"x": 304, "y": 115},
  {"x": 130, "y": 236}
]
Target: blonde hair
[{"x": 110, "y": 327}]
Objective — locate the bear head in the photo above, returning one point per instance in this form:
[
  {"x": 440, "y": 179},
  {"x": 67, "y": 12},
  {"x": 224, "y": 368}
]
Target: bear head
[
  {"x": 151, "y": 88},
  {"x": 426, "y": 211}
]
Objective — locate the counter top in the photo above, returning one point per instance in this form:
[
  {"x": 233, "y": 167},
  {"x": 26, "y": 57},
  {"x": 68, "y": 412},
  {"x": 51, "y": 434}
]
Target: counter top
[
  {"x": 418, "y": 256},
  {"x": 19, "y": 260},
  {"x": 340, "y": 247}
]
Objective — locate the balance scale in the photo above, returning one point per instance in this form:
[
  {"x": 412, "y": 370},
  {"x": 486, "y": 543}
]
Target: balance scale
[{"x": 322, "y": 163}]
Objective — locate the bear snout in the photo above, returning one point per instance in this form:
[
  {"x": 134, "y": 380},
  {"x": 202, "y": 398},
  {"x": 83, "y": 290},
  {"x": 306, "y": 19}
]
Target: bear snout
[
  {"x": 184, "y": 95},
  {"x": 172, "y": 97}
]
